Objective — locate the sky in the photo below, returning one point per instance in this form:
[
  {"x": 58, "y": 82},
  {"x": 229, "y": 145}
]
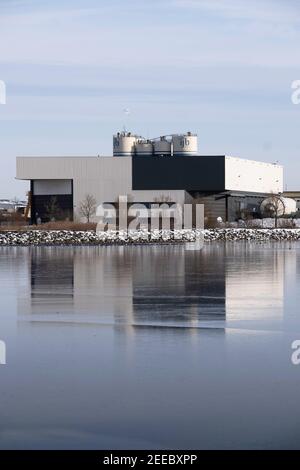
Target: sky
[{"x": 220, "y": 68}]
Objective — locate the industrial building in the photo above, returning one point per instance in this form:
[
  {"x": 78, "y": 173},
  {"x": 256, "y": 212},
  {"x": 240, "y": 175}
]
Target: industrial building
[
  {"x": 8, "y": 206},
  {"x": 166, "y": 168}
]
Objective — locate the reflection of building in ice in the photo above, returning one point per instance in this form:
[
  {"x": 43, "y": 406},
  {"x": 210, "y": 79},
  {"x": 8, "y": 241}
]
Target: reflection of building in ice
[
  {"x": 125, "y": 285},
  {"x": 255, "y": 281},
  {"x": 291, "y": 287},
  {"x": 178, "y": 286},
  {"x": 159, "y": 285},
  {"x": 103, "y": 283},
  {"x": 52, "y": 277},
  {"x": 77, "y": 284},
  {"x": 13, "y": 282}
]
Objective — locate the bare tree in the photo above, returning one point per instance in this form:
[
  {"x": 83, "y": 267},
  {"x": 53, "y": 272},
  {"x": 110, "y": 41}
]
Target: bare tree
[
  {"x": 274, "y": 207},
  {"x": 88, "y": 207}
]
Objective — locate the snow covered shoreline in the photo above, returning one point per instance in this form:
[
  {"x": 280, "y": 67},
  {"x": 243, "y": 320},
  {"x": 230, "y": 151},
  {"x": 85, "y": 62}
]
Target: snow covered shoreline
[{"x": 81, "y": 238}]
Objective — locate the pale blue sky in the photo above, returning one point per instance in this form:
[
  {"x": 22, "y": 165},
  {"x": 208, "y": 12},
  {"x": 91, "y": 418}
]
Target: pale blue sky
[{"x": 221, "y": 68}]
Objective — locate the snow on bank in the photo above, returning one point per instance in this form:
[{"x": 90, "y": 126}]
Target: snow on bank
[
  {"x": 263, "y": 235},
  {"x": 67, "y": 237}
]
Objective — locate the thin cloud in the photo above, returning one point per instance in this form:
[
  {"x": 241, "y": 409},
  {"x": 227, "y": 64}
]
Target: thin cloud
[
  {"x": 92, "y": 36},
  {"x": 262, "y": 10}
]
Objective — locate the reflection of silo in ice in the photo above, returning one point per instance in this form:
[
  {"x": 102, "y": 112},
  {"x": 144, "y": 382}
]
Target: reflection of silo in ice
[
  {"x": 162, "y": 147},
  {"x": 144, "y": 148},
  {"x": 124, "y": 144},
  {"x": 185, "y": 144}
]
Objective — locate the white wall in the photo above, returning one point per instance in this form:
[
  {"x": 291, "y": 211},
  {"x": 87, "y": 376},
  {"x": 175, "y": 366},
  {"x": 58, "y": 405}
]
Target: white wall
[{"x": 252, "y": 176}]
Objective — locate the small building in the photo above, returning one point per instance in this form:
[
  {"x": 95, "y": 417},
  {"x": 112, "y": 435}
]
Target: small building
[{"x": 8, "y": 206}]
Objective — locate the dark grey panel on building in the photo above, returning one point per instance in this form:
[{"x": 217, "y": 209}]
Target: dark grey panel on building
[{"x": 190, "y": 173}]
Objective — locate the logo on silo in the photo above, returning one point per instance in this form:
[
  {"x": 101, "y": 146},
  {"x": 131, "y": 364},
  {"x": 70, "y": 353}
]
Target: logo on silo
[{"x": 2, "y": 92}]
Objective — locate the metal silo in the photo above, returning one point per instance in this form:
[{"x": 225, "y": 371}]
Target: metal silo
[
  {"x": 124, "y": 144},
  {"x": 144, "y": 148},
  {"x": 185, "y": 144},
  {"x": 162, "y": 147}
]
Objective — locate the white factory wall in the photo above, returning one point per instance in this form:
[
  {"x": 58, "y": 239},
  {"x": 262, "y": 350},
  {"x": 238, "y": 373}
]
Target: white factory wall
[
  {"x": 252, "y": 176},
  {"x": 104, "y": 177}
]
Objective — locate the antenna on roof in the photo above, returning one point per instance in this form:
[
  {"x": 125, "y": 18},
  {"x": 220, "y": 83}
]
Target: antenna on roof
[{"x": 126, "y": 112}]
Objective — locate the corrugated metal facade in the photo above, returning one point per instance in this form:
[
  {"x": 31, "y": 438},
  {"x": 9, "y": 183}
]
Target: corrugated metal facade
[
  {"x": 106, "y": 178},
  {"x": 103, "y": 177}
]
